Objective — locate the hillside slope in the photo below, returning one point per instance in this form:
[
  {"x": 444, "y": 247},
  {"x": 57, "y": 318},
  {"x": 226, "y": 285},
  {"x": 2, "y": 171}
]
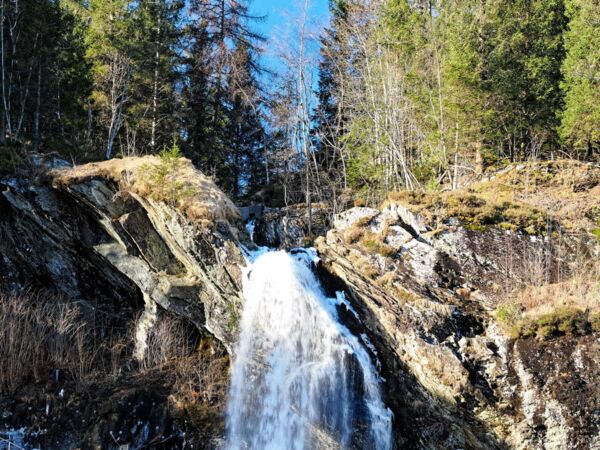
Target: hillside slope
[{"x": 484, "y": 306}]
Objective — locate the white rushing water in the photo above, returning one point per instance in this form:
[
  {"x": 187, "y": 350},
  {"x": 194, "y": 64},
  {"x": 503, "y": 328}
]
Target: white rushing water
[{"x": 300, "y": 379}]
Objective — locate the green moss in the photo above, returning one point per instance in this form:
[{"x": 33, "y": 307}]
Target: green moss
[
  {"x": 595, "y": 322},
  {"x": 476, "y": 227},
  {"x": 565, "y": 321},
  {"x": 508, "y": 226},
  {"x": 509, "y": 313},
  {"x": 233, "y": 322},
  {"x": 562, "y": 322}
]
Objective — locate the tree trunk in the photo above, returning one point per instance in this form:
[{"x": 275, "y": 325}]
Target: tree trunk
[
  {"x": 5, "y": 101},
  {"x": 38, "y": 105},
  {"x": 156, "y": 75}
]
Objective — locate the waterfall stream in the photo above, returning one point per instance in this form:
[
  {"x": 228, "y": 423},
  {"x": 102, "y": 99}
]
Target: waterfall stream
[{"x": 301, "y": 380}]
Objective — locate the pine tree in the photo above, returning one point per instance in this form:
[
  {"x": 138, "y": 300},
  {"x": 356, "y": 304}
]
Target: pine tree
[
  {"x": 580, "y": 126},
  {"x": 464, "y": 100},
  {"x": 245, "y": 133}
]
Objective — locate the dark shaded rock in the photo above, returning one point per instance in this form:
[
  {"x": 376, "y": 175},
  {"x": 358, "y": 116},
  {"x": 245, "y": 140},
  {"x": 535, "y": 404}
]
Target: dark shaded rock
[
  {"x": 288, "y": 227},
  {"x": 93, "y": 244},
  {"x": 117, "y": 253}
]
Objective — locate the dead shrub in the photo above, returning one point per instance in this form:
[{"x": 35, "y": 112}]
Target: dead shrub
[
  {"x": 201, "y": 383},
  {"x": 170, "y": 338},
  {"x": 40, "y": 333}
]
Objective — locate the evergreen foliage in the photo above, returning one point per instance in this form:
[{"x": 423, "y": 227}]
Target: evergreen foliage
[
  {"x": 580, "y": 125},
  {"x": 411, "y": 94}
]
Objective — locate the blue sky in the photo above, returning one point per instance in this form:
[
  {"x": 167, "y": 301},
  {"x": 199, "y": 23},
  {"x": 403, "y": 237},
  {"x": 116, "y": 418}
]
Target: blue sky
[
  {"x": 279, "y": 23},
  {"x": 276, "y": 12}
]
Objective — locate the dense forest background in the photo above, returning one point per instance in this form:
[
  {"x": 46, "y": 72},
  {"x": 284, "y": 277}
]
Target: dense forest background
[{"x": 400, "y": 95}]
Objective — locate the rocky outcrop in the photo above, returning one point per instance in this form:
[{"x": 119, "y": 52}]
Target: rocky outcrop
[
  {"x": 288, "y": 227},
  {"x": 93, "y": 237},
  {"x": 106, "y": 238},
  {"x": 83, "y": 233},
  {"x": 454, "y": 380}
]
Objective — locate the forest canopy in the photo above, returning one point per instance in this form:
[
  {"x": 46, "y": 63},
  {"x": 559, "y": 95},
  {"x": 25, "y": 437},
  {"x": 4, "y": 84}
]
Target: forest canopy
[{"x": 398, "y": 95}]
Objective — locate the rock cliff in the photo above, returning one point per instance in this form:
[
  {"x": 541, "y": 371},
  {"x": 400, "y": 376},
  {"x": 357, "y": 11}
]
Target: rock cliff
[
  {"x": 428, "y": 294},
  {"x": 123, "y": 249},
  {"x": 93, "y": 234},
  {"x": 427, "y": 278}
]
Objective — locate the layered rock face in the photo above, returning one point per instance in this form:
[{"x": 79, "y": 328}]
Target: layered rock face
[
  {"x": 288, "y": 227},
  {"x": 88, "y": 234},
  {"x": 453, "y": 378},
  {"x": 95, "y": 238}
]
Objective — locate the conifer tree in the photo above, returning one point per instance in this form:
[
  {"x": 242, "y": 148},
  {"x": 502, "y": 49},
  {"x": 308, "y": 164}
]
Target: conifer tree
[
  {"x": 223, "y": 52},
  {"x": 580, "y": 125},
  {"x": 522, "y": 58},
  {"x": 110, "y": 50}
]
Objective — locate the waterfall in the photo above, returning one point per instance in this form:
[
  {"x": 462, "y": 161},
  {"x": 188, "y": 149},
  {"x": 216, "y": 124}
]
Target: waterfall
[{"x": 301, "y": 380}]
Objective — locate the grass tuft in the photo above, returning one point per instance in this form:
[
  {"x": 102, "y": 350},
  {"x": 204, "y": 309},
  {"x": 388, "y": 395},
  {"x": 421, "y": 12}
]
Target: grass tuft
[{"x": 168, "y": 178}]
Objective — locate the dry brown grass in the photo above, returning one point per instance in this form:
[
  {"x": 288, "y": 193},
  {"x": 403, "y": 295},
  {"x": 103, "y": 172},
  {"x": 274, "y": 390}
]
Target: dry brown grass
[
  {"x": 203, "y": 378},
  {"x": 353, "y": 234},
  {"x": 581, "y": 291},
  {"x": 474, "y": 210},
  {"x": 390, "y": 284},
  {"x": 568, "y": 190},
  {"x": 360, "y": 234},
  {"x": 183, "y": 186},
  {"x": 545, "y": 305},
  {"x": 201, "y": 383},
  {"x": 362, "y": 265},
  {"x": 170, "y": 338},
  {"x": 375, "y": 243},
  {"x": 40, "y": 333},
  {"x": 525, "y": 197}
]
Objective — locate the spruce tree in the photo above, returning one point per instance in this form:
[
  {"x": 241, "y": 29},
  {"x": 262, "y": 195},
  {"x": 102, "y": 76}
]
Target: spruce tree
[
  {"x": 523, "y": 52},
  {"x": 580, "y": 124},
  {"x": 218, "y": 34}
]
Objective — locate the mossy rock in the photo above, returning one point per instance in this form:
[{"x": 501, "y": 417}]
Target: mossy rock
[
  {"x": 565, "y": 321},
  {"x": 476, "y": 211}
]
